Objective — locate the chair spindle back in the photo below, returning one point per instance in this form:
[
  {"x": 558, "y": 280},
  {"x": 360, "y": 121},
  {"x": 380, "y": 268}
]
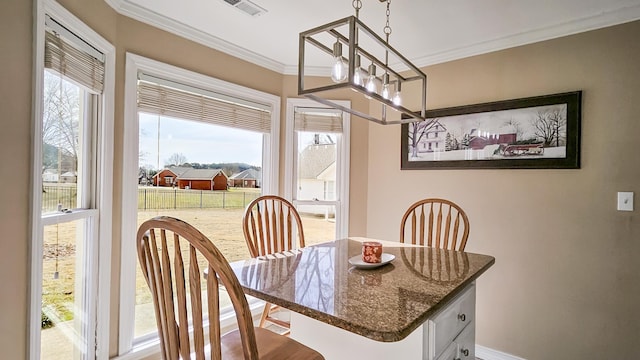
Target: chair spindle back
[
  {"x": 270, "y": 225},
  {"x": 173, "y": 255},
  {"x": 437, "y": 223}
]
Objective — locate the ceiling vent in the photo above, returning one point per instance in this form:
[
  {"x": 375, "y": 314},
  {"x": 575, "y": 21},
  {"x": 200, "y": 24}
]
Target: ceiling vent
[{"x": 247, "y": 7}]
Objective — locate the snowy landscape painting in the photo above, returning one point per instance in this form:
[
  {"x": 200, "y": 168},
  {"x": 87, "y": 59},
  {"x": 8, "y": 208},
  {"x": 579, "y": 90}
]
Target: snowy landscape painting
[{"x": 536, "y": 132}]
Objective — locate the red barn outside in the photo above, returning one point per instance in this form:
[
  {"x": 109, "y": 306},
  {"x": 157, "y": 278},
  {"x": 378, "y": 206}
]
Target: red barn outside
[
  {"x": 203, "y": 179},
  {"x": 189, "y": 178}
]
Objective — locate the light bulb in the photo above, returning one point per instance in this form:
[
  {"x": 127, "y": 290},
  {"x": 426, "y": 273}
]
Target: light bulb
[
  {"x": 340, "y": 68},
  {"x": 371, "y": 82},
  {"x": 358, "y": 77},
  {"x": 359, "y": 74},
  {"x": 385, "y": 91},
  {"x": 385, "y": 86},
  {"x": 397, "y": 97}
]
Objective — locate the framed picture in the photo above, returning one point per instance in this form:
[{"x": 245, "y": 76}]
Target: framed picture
[{"x": 541, "y": 132}]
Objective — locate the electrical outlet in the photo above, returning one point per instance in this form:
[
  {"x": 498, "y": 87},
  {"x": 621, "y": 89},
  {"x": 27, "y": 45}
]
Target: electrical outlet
[{"x": 625, "y": 201}]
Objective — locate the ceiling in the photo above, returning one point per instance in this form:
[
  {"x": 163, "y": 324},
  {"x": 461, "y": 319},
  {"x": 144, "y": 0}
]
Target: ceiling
[{"x": 426, "y": 31}]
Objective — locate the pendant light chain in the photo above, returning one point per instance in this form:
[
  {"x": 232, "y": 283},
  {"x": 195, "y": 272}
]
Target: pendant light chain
[
  {"x": 387, "y": 32},
  {"x": 387, "y": 27}
]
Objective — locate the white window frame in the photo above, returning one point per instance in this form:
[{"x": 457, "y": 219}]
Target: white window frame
[
  {"x": 103, "y": 145},
  {"x": 342, "y": 170},
  {"x": 127, "y": 349}
]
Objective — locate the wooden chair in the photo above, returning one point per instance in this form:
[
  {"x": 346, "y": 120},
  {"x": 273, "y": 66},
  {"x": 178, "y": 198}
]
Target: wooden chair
[
  {"x": 442, "y": 223},
  {"x": 268, "y": 225},
  {"x": 169, "y": 251}
]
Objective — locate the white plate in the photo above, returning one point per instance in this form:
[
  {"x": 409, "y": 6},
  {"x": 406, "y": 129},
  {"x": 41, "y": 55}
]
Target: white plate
[{"x": 359, "y": 263}]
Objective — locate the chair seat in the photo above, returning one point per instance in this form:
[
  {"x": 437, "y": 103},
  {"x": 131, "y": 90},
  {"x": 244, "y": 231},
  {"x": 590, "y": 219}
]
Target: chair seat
[{"x": 271, "y": 346}]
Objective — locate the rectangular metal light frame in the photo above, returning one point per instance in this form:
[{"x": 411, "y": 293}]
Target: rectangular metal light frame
[{"x": 354, "y": 25}]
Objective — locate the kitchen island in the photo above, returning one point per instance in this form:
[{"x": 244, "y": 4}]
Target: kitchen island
[{"x": 419, "y": 306}]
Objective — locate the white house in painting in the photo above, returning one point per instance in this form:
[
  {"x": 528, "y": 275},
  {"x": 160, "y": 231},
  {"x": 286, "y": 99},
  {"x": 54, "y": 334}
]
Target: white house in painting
[{"x": 433, "y": 137}]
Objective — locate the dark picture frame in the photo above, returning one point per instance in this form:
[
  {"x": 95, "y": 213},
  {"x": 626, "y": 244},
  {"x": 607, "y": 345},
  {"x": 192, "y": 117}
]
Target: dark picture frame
[{"x": 541, "y": 132}]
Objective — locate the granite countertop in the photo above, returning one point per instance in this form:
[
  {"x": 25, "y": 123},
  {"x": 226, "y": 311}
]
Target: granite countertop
[{"x": 384, "y": 304}]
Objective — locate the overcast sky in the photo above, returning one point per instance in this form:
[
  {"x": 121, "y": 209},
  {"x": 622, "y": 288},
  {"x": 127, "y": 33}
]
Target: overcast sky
[{"x": 198, "y": 142}]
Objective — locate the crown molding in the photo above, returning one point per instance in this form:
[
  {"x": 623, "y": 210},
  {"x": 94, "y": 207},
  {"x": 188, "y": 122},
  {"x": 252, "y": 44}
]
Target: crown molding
[
  {"x": 152, "y": 18},
  {"x": 601, "y": 20}
]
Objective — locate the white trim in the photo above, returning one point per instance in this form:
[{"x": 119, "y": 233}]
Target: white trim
[
  {"x": 134, "y": 65},
  {"x": 128, "y": 227},
  {"x": 486, "y": 353},
  {"x": 73, "y": 38},
  {"x": 104, "y": 189},
  {"x": 342, "y": 172},
  {"x": 56, "y": 218},
  {"x": 601, "y": 20},
  {"x": 152, "y": 18}
]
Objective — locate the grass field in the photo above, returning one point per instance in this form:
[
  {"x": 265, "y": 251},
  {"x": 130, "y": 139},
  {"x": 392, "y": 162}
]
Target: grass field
[{"x": 222, "y": 226}]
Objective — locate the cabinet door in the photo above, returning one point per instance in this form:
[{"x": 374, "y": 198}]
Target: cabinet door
[
  {"x": 452, "y": 319},
  {"x": 466, "y": 343},
  {"x": 449, "y": 353}
]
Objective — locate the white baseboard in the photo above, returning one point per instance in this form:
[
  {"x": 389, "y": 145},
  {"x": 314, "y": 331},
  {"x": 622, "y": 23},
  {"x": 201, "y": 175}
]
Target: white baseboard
[{"x": 486, "y": 353}]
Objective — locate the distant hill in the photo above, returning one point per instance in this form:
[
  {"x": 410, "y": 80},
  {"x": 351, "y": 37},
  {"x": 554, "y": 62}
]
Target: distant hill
[{"x": 50, "y": 158}]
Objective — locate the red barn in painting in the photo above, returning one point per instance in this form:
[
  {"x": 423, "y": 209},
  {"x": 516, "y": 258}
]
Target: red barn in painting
[{"x": 479, "y": 142}]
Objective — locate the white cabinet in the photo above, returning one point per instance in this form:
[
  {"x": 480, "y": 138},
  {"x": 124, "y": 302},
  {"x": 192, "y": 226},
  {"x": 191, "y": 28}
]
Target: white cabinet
[{"x": 453, "y": 327}]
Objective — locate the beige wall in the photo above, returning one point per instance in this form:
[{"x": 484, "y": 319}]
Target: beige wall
[
  {"x": 566, "y": 283},
  {"x": 15, "y": 117}
]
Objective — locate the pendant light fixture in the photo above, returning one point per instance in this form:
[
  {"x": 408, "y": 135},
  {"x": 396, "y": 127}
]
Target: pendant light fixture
[{"x": 345, "y": 44}]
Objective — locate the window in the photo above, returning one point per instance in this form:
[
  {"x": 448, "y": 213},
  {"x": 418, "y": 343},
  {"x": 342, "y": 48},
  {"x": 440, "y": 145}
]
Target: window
[
  {"x": 164, "y": 132},
  {"x": 317, "y": 168},
  {"x": 71, "y": 206}
]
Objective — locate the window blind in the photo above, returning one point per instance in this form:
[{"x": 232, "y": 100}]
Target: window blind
[
  {"x": 169, "y": 101},
  {"x": 318, "y": 119},
  {"x": 79, "y": 66}
]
